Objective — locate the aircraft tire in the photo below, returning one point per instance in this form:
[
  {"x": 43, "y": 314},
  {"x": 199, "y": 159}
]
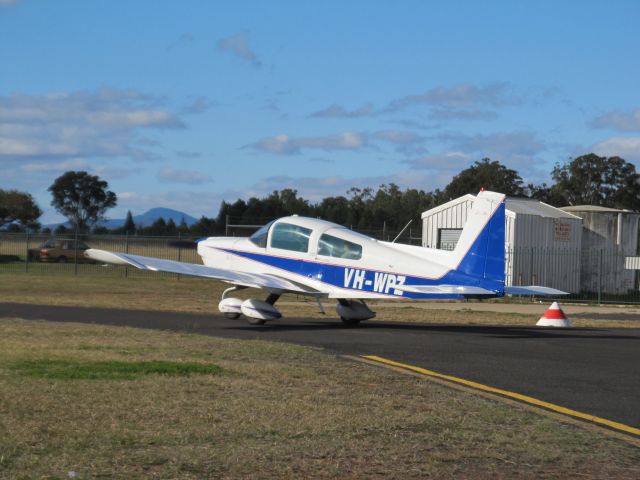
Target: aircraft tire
[
  {"x": 256, "y": 321},
  {"x": 231, "y": 315},
  {"x": 350, "y": 322}
]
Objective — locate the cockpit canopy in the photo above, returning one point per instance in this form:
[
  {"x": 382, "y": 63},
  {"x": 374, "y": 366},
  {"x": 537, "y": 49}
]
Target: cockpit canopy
[
  {"x": 259, "y": 238},
  {"x": 289, "y": 235}
]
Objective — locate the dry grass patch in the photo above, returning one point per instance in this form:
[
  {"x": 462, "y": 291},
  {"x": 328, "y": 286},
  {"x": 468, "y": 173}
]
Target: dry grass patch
[{"x": 279, "y": 411}]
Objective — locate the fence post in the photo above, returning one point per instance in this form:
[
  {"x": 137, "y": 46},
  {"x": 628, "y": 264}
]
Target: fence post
[
  {"x": 75, "y": 253},
  {"x": 600, "y": 278},
  {"x": 531, "y": 266},
  {"x": 26, "y": 264},
  {"x": 179, "y": 252},
  {"x": 126, "y": 250}
]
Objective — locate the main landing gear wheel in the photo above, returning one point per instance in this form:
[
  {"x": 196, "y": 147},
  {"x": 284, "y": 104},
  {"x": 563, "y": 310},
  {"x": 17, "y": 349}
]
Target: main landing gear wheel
[
  {"x": 255, "y": 321},
  {"x": 350, "y": 322},
  {"x": 231, "y": 315}
]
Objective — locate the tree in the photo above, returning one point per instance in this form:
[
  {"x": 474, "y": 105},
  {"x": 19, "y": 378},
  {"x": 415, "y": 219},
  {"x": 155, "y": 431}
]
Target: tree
[
  {"x": 16, "y": 206},
  {"x": 487, "y": 174},
  {"x": 183, "y": 227},
  {"x": 82, "y": 198},
  {"x": 594, "y": 180},
  {"x": 159, "y": 227},
  {"x": 129, "y": 226},
  {"x": 205, "y": 226},
  {"x": 171, "y": 228},
  {"x": 547, "y": 194}
]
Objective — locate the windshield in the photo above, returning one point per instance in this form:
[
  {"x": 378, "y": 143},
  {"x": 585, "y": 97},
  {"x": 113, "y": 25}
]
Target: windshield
[{"x": 260, "y": 237}]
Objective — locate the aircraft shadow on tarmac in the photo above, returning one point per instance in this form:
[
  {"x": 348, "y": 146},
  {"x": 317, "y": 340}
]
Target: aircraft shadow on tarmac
[{"x": 508, "y": 332}]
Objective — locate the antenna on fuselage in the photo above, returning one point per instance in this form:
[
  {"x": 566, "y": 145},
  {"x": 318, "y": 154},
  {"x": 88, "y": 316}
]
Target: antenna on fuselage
[{"x": 402, "y": 231}]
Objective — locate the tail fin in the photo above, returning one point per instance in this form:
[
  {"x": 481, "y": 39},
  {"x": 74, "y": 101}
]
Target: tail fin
[{"x": 480, "y": 249}]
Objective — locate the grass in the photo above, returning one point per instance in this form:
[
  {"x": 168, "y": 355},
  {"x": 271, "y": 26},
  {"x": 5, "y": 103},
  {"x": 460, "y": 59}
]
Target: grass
[
  {"x": 202, "y": 296},
  {"x": 286, "y": 411},
  {"x": 55, "y": 369}
]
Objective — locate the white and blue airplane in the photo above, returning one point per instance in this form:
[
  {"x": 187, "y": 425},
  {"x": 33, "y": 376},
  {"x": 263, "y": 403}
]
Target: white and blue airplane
[{"x": 321, "y": 259}]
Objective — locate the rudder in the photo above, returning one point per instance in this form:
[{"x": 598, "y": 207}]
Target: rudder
[{"x": 480, "y": 249}]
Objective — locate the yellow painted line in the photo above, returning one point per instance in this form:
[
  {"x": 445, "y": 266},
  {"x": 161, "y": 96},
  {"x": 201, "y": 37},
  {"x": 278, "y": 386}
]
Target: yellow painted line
[{"x": 518, "y": 396}]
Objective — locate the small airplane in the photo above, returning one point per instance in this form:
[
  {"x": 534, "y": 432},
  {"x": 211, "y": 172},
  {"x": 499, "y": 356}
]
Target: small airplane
[{"x": 321, "y": 259}]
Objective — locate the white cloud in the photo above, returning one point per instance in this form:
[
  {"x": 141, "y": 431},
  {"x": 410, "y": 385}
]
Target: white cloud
[
  {"x": 337, "y": 111},
  {"x": 102, "y": 123},
  {"x": 286, "y": 145},
  {"x": 190, "y": 177},
  {"x": 405, "y": 141},
  {"x": 622, "y": 121},
  {"x": 442, "y": 161},
  {"x": 625, "y": 147},
  {"x": 454, "y": 114},
  {"x": 198, "y": 105},
  {"x": 238, "y": 45},
  {"x": 460, "y": 101},
  {"x": 398, "y": 136},
  {"x": 459, "y": 96},
  {"x": 500, "y": 145},
  {"x": 49, "y": 167}
]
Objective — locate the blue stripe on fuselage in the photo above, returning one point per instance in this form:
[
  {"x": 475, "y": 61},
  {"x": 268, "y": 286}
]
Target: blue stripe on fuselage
[{"x": 362, "y": 279}]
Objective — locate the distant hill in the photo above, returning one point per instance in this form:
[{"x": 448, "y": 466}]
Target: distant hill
[
  {"x": 147, "y": 218},
  {"x": 143, "y": 220}
]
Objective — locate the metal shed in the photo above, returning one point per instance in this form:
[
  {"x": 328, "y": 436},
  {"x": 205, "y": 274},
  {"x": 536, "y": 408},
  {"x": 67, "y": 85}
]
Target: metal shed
[
  {"x": 609, "y": 236},
  {"x": 542, "y": 247}
]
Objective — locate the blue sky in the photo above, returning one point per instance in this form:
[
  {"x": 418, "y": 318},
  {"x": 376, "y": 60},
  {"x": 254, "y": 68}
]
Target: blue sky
[{"x": 184, "y": 104}]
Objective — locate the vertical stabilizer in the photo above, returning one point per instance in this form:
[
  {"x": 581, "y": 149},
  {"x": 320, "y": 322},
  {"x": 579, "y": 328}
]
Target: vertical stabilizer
[{"x": 480, "y": 249}]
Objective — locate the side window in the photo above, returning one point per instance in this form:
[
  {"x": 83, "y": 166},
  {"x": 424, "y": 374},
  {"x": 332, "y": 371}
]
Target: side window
[
  {"x": 331, "y": 246},
  {"x": 290, "y": 237}
]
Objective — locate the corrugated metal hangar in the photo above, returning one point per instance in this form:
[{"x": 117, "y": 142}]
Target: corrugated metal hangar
[
  {"x": 543, "y": 243},
  {"x": 610, "y": 248}
]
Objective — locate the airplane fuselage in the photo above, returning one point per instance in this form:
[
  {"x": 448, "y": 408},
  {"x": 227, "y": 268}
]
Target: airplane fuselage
[{"x": 378, "y": 272}]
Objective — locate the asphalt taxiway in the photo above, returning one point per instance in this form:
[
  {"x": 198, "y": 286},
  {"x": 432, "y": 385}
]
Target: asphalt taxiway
[{"x": 590, "y": 370}]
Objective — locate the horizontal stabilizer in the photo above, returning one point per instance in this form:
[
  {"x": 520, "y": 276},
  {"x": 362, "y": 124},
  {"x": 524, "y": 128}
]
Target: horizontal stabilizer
[
  {"x": 445, "y": 289},
  {"x": 533, "y": 290},
  {"x": 259, "y": 280}
]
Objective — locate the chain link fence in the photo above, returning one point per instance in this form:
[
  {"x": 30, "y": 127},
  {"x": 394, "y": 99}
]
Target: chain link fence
[{"x": 598, "y": 276}]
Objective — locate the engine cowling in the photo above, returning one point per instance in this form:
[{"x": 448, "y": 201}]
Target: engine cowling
[
  {"x": 230, "y": 307},
  {"x": 260, "y": 310},
  {"x": 351, "y": 310}
]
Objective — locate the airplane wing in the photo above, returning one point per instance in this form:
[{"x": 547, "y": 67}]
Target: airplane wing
[
  {"x": 258, "y": 280},
  {"x": 533, "y": 290},
  {"x": 445, "y": 289}
]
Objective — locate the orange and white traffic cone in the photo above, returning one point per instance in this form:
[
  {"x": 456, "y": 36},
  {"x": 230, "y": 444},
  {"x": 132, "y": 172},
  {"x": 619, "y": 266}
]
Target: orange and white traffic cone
[{"x": 554, "y": 317}]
